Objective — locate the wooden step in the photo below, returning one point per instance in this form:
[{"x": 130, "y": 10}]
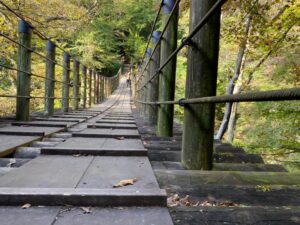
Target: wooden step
[
  {"x": 115, "y": 121},
  {"x": 113, "y": 126},
  {"x": 245, "y": 195},
  {"x": 107, "y": 133},
  {"x": 156, "y": 155},
  {"x": 235, "y": 215},
  {"x": 9, "y": 143},
  {"x": 167, "y": 165},
  {"x": 43, "y": 124},
  {"x": 188, "y": 178},
  {"x": 83, "y": 196},
  {"x": 92, "y": 151}
]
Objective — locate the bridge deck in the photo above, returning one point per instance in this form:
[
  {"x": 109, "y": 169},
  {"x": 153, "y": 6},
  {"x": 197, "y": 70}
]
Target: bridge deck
[
  {"x": 103, "y": 148},
  {"x": 72, "y": 162}
]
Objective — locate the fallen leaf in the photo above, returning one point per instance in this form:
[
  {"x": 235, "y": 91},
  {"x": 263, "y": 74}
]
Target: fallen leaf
[
  {"x": 120, "y": 138},
  {"x": 86, "y": 210},
  {"x": 126, "y": 182},
  {"x": 26, "y": 206}
]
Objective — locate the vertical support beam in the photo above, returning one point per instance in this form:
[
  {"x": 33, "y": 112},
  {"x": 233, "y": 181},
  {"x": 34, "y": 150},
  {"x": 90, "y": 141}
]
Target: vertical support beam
[
  {"x": 98, "y": 86},
  {"x": 101, "y": 89},
  {"x": 49, "y": 81},
  {"x": 23, "y": 77},
  {"x": 167, "y": 78},
  {"x": 90, "y": 86},
  {"x": 146, "y": 88},
  {"x": 105, "y": 87},
  {"x": 197, "y": 147},
  {"x": 84, "y": 90},
  {"x": 66, "y": 83},
  {"x": 152, "y": 95},
  {"x": 95, "y": 87},
  {"x": 76, "y": 85}
]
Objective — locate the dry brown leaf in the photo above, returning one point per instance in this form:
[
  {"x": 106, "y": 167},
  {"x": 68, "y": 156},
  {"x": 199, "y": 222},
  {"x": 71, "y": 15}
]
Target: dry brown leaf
[
  {"x": 26, "y": 206},
  {"x": 120, "y": 138},
  {"x": 126, "y": 182},
  {"x": 86, "y": 210}
]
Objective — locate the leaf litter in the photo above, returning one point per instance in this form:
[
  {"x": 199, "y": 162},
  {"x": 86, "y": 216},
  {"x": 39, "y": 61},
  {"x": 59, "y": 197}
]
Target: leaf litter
[{"x": 175, "y": 200}]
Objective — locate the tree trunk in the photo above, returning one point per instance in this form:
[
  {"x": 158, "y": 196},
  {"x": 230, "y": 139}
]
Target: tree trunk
[{"x": 240, "y": 61}]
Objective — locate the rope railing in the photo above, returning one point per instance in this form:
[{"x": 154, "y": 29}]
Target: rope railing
[{"x": 154, "y": 87}]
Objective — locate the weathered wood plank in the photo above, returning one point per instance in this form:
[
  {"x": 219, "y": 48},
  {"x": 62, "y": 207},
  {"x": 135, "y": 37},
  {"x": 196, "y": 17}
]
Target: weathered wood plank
[
  {"x": 188, "y": 178},
  {"x": 83, "y": 196},
  {"x": 104, "y": 172},
  {"x": 47, "y": 172},
  {"x": 116, "y": 216}
]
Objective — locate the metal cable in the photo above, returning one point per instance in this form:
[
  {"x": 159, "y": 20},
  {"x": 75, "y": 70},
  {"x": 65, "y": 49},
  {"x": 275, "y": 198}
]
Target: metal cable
[
  {"x": 160, "y": 37},
  {"x": 203, "y": 21},
  {"x": 274, "y": 95},
  {"x": 153, "y": 27},
  {"x": 32, "y": 74},
  {"x": 30, "y": 49}
]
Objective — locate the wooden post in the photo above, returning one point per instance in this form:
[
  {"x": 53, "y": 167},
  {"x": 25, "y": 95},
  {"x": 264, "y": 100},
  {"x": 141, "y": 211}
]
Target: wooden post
[
  {"x": 197, "y": 147},
  {"x": 95, "y": 87},
  {"x": 49, "y": 81},
  {"x": 84, "y": 91},
  {"x": 98, "y": 86},
  {"x": 152, "y": 95},
  {"x": 66, "y": 83},
  {"x": 76, "y": 85},
  {"x": 23, "y": 77},
  {"x": 146, "y": 88},
  {"x": 142, "y": 92},
  {"x": 167, "y": 78},
  {"x": 101, "y": 88},
  {"x": 90, "y": 86}
]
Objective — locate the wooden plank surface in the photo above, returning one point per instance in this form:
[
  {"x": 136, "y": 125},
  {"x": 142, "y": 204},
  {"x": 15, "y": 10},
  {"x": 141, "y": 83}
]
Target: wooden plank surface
[
  {"x": 15, "y": 215},
  {"x": 89, "y": 132},
  {"x": 83, "y": 196},
  {"x": 47, "y": 172},
  {"x": 46, "y": 130},
  {"x": 105, "y": 172},
  {"x": 116, "y": 216},
  {"x": 9, "y": 143}
]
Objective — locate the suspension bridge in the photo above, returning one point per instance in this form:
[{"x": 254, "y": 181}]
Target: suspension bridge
[{"x": 116, "y": 156}]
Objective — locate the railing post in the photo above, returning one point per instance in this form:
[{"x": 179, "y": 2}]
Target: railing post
[
  {"x": 84, "y": 91},
  {"x": 23, "y": 77},
  {"x": 98, "y": 86},
  {"x": 90, "y": 86},
  {"x": 66, "y": 83},
  {"x": 197, "y": 147},
  {"x": 152, "y": 95},
  {"x": 95, "y": 87},
  {"x": 145, "y": 89},
  {"x": 49, "y": 81},
  {"x": 76, "y": 85},
  {"x": 167, "y": 78},
  {"x": 101, "y": 88}
]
